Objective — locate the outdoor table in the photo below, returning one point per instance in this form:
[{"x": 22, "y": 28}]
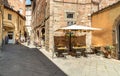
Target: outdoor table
[
  {"x": 61, "y": 48},
  {"x": 96, "y": 49},
  {"x": 60, "y": 51},
  {"x": 81, "y": 49}
]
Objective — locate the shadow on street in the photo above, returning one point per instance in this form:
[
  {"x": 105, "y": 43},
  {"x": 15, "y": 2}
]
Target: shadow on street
[{"x": 19, "y": 60}]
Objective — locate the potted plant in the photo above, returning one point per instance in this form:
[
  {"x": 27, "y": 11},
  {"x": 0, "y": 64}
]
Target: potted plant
[{"x": 109, "y": 50}]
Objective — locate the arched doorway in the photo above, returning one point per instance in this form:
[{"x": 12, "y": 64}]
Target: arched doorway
[
  {"x": 43, "y": 34},
  {"x": 38, "y": 33},
  {"x": 116, "y": 36},
  {"x": 118, "y": 40}
]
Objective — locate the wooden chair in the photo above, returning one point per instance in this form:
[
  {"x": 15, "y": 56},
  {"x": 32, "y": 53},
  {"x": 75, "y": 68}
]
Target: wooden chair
[
  {"x": 96, "y": 49},
  {"x": 79, "y": 45},
  {"x": 60, "y": 47}
]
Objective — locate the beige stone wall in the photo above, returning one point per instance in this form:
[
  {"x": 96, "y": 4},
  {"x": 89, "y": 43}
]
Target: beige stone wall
[
  {"x": 105, "y": 3},
  {"x": 28, "y": 19},
  {"x": 58, "y": 17},
  {"x": 55, "y": 16},
  {"x": 82, "y": 10},
  {"x": 0, "y": 29},
  {"x": 1, "y": 22},
  {"x": 16, "y": 24},
  {"x": 9, "y": 25},
  {"x": 38, "y": 19},
  {"x": 21, "y": 26},
  {"x": 16, "y": 5}
]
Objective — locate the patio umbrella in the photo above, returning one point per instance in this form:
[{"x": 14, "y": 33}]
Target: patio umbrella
[
  {"x": 79, "y": 27},
  {"x": 75, "y": 28}
]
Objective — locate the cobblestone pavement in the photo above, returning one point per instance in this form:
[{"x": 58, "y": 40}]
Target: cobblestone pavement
[
  {"x": 92, "y": 65},
  {"x": 18, "y": 60}
]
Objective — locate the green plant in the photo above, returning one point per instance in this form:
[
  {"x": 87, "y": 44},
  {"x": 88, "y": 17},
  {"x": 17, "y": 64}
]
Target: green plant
[
  {"x": 109, "y": 50},
  {"x": 69, "y": 33}
]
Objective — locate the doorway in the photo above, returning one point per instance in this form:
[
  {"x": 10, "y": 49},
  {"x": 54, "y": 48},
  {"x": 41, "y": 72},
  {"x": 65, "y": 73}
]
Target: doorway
[
  {"x": 10, "y": 37},
  {"x": 43, "y": 36},
  {"x": 118, "y": 40}
]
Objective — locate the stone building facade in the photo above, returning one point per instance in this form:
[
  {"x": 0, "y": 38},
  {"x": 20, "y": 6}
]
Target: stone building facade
[
  {"x": 12, "y": 21},
  {"x": 13, "y": 26},
  {"x": 51, "y": 15},
  {"x": 109, "y": 20},
  {"x": 1, "y": 22},
  {"x": 28, "y": 19},
  {"x": 17, "y": 5},
  {"x": 38, "y": 21}
]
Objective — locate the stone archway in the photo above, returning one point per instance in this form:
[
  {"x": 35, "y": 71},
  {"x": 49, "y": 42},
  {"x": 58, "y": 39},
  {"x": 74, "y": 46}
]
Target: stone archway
[
  {"x": 43, "y": 36},
  {"x": 116, "y": 36},
  {"x": 118, "y": 39}
]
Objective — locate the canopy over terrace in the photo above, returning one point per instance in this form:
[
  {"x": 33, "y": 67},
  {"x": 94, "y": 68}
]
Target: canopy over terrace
[
  {"x": 79, "y": 27},
  {"x": 76, "y": 28}
]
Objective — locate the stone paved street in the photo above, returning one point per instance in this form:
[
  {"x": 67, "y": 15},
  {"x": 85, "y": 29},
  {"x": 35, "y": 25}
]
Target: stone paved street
[
  {"x": 93, "y": 65},
  {"x": 18, "y": 60}
]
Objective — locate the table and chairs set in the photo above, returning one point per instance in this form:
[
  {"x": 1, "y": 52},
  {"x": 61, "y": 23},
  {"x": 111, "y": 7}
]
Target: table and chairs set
[
  {"x": 71, "y": 45},
  {"x": 76, "y": 47}
]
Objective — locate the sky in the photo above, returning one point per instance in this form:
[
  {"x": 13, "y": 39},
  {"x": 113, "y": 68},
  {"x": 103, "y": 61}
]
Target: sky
[{"x": 28, "y": 2}]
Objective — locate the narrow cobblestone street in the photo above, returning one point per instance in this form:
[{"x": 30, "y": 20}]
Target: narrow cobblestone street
[{"x": 18, "y": 60}]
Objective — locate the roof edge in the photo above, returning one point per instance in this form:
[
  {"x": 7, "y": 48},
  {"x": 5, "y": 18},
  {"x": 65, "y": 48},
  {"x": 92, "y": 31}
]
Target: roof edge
[
  {"x": 15, "y": 12},
  {"x": 104, "y": 9}
]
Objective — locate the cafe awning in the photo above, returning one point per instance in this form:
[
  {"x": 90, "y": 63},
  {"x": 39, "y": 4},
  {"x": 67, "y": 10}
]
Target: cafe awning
[{"x": 79, "y": 27}]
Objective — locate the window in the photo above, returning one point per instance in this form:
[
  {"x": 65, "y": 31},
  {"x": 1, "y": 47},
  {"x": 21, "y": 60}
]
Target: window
[
  {"x": 69, "y": 23},
  {"x": 20, "y": 10},
  {"x": 12, "y": 7},
  {"x": 9, "y": 17},
  {"x": 70, "y": 15},
  {"x": 10, "y": 35},
  {"x": 21, "y": 0},
  {"x": 38, "y": 33}
]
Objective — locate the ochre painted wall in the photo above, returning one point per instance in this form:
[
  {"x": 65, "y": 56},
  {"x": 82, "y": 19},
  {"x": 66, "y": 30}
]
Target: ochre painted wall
[
  {"x": 0, "y": 29},
  {"x": 16, "y": 24},
  {"x": 105, "y": 19}
]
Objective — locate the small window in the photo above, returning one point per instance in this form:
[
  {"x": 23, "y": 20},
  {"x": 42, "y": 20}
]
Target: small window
[
  {"x": 70, "y": 15},
  {"x": 12, "y": 7},
  {"x": 10, "y": 36},
  {"x": 69, "y": 23},
  {"x": 9, "y": 17},
  {"x": 20, "y": 10},
  {"x": 21, "y": 0}
]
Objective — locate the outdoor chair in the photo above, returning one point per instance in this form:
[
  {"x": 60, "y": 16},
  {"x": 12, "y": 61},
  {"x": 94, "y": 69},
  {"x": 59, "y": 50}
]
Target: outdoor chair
[
  {"x": 79, "y": 45},
  {"x": 96, "y": 50},
  {"x": 60, "y": 47},
  {"x": 79, "y": 50},
  {"x": 61, "y": 51}
]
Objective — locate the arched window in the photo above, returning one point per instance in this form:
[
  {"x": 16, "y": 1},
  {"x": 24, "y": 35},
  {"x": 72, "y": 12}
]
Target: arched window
[
  {"x": 38, "y": 33},
  {"x": 43, "y": 33}
]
